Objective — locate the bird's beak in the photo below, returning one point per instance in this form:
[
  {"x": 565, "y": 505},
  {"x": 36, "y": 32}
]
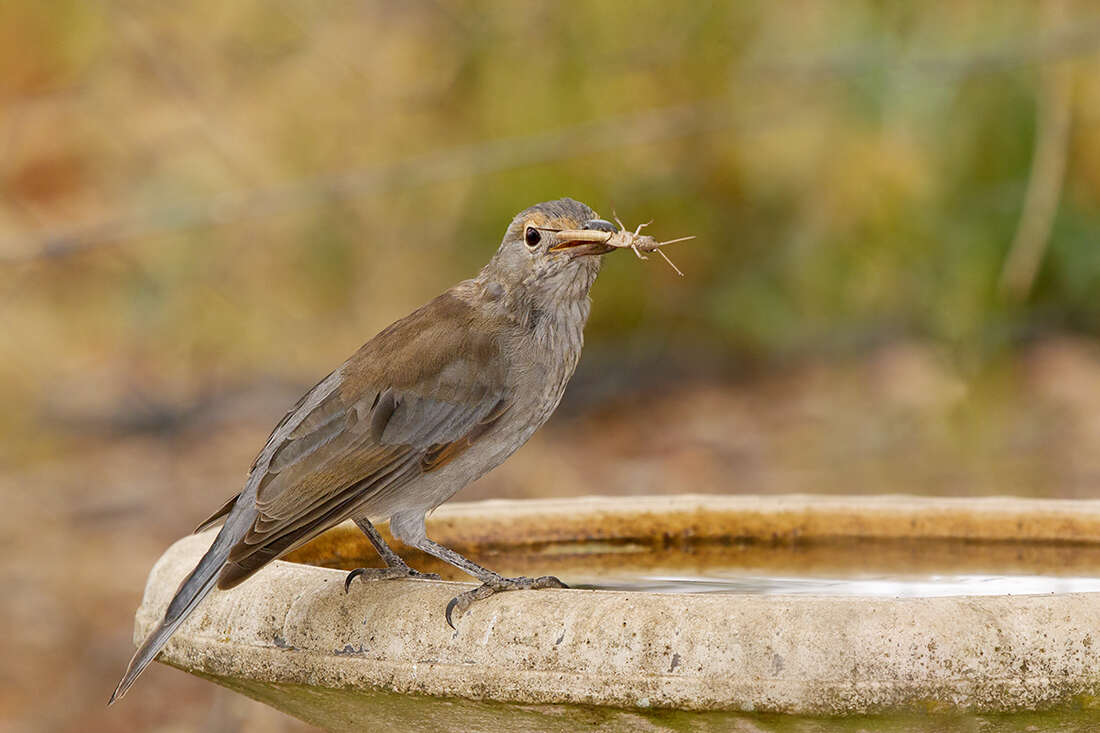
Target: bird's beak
[{"x": 589, "y": 240}]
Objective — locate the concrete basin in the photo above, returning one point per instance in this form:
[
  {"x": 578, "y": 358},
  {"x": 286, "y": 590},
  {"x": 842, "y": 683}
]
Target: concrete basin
[{"x": 553, "y": 659}]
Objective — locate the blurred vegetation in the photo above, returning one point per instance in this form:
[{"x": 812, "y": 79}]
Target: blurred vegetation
[{"x": 200, "y": 193}]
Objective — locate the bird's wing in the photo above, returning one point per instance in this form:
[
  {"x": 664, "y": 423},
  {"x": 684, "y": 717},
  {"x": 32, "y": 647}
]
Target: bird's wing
[{"x": 412, "y": 399}]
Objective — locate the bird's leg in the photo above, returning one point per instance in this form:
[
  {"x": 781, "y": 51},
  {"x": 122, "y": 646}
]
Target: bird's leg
[
  {"x": 395, "y": 566},
  {"x": 490, "y": 582}
]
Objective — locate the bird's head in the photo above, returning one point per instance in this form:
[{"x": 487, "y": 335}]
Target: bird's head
[{"x": 534, "y": 258}]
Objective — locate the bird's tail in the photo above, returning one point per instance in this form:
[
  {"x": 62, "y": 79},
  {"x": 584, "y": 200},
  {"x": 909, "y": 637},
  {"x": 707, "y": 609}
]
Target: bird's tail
[{"x": 191, "y": 591}]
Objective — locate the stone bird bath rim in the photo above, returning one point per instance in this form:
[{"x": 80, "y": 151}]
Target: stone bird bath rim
[{"x": 294, "y": 628}]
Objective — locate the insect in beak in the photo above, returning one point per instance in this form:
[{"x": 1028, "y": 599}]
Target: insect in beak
[{"x": 600, "y": 237}]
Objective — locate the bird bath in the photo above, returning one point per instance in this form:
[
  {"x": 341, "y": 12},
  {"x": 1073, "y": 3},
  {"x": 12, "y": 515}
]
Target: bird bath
[{"x": 696, "y": 611}]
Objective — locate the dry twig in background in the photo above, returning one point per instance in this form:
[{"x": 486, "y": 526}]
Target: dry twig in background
[{"x": 1048, "y": 168}]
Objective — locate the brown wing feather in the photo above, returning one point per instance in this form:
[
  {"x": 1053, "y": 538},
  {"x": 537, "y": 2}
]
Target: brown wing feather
[{"x": 401, "y": 408}]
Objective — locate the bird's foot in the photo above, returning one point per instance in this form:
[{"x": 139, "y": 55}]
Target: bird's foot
[
  {"x": 462, "y": 602},
  {"x": 386, "y": 573}
]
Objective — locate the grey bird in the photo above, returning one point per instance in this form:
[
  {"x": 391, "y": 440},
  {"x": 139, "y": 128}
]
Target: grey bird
[{"x": 431, "y": 403}]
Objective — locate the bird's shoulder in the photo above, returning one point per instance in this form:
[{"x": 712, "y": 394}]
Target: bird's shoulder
[{"x": 448, "y": 349}]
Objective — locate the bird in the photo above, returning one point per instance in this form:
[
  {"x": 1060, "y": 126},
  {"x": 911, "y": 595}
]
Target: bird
[{"x": 429, "y": 404}]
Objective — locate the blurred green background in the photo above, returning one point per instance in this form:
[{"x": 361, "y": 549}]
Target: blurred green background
[{"x": 204, "y": 207}]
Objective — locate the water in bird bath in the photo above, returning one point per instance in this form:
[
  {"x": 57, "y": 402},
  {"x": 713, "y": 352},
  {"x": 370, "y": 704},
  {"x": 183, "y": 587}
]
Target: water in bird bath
[
  {"x": 903, "y": 568},
  {"x": 919, "y": 586}
]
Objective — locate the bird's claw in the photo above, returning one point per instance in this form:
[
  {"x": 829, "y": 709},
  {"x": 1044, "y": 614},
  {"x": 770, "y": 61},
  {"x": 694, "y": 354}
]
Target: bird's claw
[
  {"x": 462, "y": 602},
  {"x": 386, "y": 573}
]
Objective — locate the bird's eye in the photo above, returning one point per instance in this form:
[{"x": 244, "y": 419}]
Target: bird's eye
[{"x": 532, "y": 237}]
